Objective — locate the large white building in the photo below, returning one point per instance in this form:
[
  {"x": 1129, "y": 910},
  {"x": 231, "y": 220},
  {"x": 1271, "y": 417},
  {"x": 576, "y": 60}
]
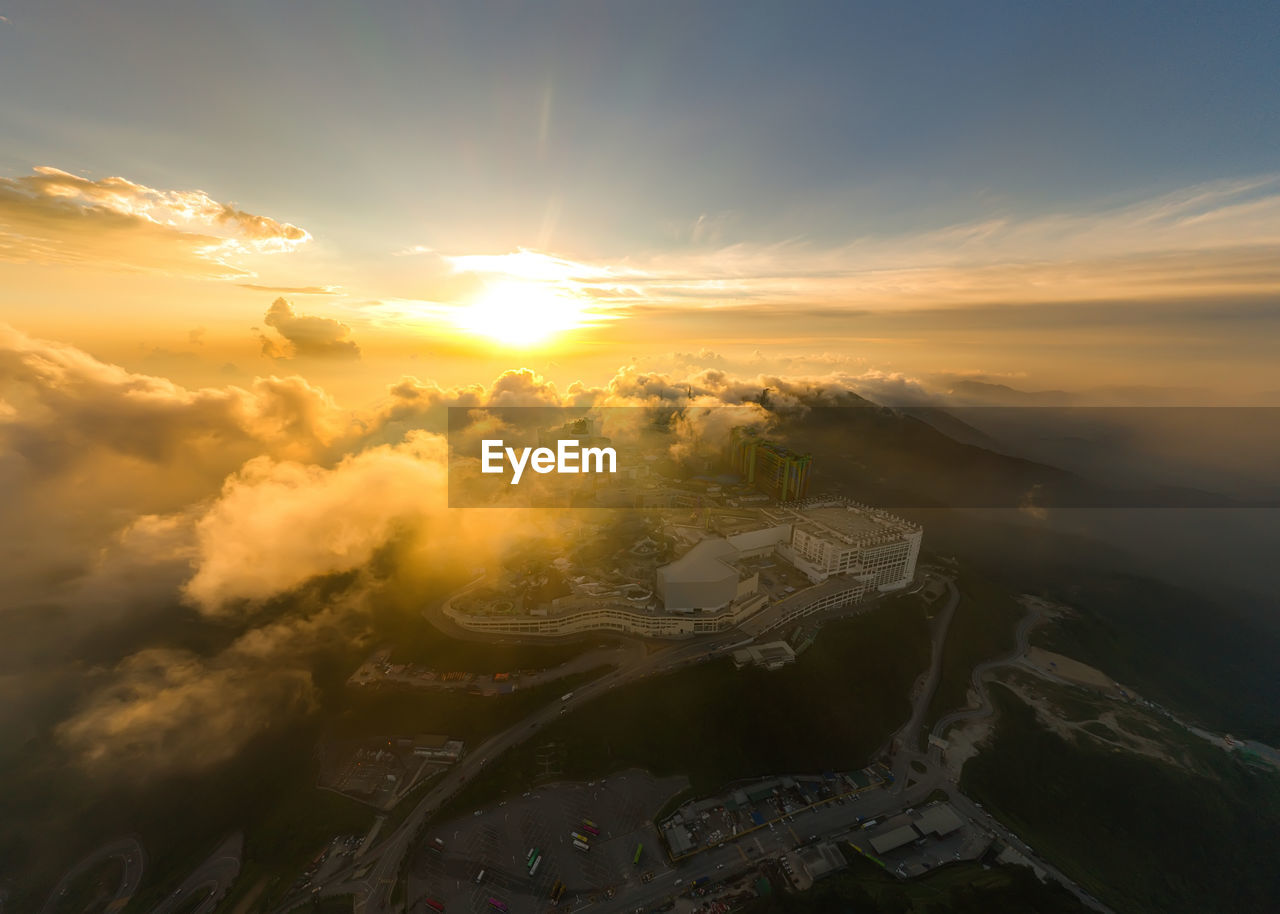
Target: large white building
[
  {"x": 703, "y": 579},
  {"x": 832, "y": 536},
  {"x": 847, "y": 551},
  {"x": 710, "y": 576}
]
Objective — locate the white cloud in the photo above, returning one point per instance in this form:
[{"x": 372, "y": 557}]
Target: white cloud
[
  {"x": 54, "y": 216},
  {"x": 305, "y": 335}
]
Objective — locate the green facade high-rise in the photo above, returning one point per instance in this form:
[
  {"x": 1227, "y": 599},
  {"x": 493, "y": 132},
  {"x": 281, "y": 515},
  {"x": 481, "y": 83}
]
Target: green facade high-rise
[{"x": 771, "y": 467}]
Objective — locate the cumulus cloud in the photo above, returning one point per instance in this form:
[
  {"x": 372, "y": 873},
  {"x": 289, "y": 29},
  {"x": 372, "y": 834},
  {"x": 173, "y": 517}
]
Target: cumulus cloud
[
  {"x": 127, "y": 493},
  {"x": 710, "y": 387},
  {"x": 414, "y": 403},
  {"x": 69, "y": 405},
  {"x": 53, "y": 216},
  {"x": 276, "y": 525},
  {"x": 703, "y": 358},
  {"x": 891, "y": 388},
  {"x": 171, "y": 710},
  {"x": 306, "y": 336},
  {"x": 86, "y": 448}
]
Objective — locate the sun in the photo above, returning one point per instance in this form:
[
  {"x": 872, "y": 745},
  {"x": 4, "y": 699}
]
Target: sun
[{"x": 521, "y": 313}]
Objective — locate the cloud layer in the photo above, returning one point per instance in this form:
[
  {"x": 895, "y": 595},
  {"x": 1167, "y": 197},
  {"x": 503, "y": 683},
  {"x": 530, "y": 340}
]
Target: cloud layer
[
  {"x": 275, "y": 525},
  {"x": 129, "y": 495},
  {"x": 1214, "y": 239}
]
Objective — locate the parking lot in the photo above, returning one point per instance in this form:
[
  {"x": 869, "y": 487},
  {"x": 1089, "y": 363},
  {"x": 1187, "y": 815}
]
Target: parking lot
[{"x": 485, "y": 855}]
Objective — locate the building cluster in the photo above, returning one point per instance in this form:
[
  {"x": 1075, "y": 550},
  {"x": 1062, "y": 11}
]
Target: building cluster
[
  {"x": 772, "y": 656},
  {"x": 704, "y": 823},
  {"x": 938, "y": 821},
  {"x": 841, "y": 551},
  {"x": 917, "y": 841},
  {"x": 821, "y": 537},
  {"x": 380, "y": 773},
  {"x": 435, "y": 747},
  {"x": 585, "y": 431},
  {"x": 378, "y": 670}
]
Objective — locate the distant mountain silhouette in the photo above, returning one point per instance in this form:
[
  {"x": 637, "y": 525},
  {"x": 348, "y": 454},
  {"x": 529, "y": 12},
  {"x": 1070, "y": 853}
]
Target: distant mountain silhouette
[{"x": 895, "y": 458}]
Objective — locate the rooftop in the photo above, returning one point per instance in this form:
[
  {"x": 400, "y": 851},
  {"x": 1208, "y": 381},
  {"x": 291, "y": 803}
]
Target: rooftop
[
  {"x": 939, "y": 820},
  {"x": 708, "y": 561},
  {"x": 771, "y": 656},
  {"x": 840, "y": 520},
  {"x": 821, "y": 859},
  {"x": 894, "y": 838},
  {"x": 848, "y": 522}
]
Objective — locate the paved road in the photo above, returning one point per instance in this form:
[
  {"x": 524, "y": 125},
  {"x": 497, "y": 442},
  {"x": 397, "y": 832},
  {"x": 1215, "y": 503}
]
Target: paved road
[
  {"x": 1034, "y": 617},
  {"x": 905, "y": 739},
  {"x": 211, "y": 878},
  {"x": 935, "y": 776},
  {"x": 496, "y": 842},
  {"x": 129, "y": 850},
  {"x": 967, "y": 806},
  {"x": 830, "y": 821},
  {"x": 373, "y": 890}
]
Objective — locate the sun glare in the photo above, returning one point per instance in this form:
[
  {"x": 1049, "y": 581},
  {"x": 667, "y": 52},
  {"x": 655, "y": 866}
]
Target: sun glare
[{"x": 521, "y": 313}]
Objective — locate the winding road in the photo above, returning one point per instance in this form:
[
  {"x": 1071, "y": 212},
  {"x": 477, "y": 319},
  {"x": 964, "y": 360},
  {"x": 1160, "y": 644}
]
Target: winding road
[
  {"x": 379, "y": 868},
  {"x": 211, "y": 879},
  {"x": 914, "y": 785},
  {"x": 1034, "y": 616},
  {"x": 904, "y": 741},
  {"x": 373, "y": 889},
  {"x": 130, "y": 852},
  {"x": 381, "y": 864}
]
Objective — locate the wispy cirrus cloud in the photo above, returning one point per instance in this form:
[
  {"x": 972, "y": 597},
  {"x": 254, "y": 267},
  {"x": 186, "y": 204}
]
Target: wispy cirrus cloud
[
  {"x": 292, "y": 290},
  {"x": 1220, "y": 238},
  {"x": 53, "y": 216},
  {"x": 531, "y": 265}
]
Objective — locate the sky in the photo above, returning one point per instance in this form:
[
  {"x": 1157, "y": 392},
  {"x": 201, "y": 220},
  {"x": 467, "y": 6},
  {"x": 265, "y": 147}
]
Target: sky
[
  {"x": 250, "y": 252},
  {"x": 1050, "y": 196}
]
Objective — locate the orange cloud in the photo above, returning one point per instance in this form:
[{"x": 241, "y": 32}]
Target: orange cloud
[
  {"x": 57, "y": 217},
  {"x": 276, "y": 524},
  {"x": 292, "y": 290},
  {"x": 123, "y": 491},
  {"x": 1221, "y": 238},
  {"x": 306, "y": 336},
  {"x": 173, "y": 710}
]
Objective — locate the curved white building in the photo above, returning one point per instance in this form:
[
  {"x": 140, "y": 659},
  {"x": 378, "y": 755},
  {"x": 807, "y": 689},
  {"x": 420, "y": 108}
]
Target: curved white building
[
  {"x": 704, "y": 578},
  {"x": 848, "y": 552}
]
